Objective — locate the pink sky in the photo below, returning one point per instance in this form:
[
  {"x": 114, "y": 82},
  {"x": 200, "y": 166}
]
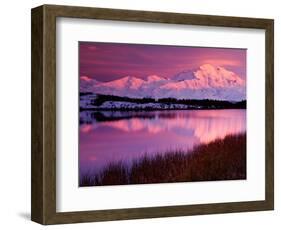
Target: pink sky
[{"x": 110, "y": 61}]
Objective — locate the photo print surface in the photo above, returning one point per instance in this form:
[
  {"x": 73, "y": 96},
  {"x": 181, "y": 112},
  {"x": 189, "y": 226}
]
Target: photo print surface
[{"x": 161, "y": 114}]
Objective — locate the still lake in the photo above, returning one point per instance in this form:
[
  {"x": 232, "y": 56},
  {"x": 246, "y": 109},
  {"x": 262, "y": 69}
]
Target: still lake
[{"x": 111, "y": 136}]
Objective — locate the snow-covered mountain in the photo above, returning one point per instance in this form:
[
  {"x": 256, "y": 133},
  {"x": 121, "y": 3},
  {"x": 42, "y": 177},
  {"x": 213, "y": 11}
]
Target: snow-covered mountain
[
  {"x": 87, "y": 84},
  {"x": 206, "y": 82}
]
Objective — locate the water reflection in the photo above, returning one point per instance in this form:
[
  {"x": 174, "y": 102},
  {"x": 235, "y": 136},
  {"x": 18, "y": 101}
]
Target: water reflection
[{"x": 112, "y": 136}]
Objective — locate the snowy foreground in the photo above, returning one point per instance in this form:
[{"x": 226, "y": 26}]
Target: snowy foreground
[{"x": 88, "y": 101}]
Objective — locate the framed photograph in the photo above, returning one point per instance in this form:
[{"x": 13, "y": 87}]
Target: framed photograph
[{"x": 140, "y": 114}]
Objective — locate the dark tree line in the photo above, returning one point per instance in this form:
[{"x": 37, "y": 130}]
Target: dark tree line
[
  {"x": 103, "y": 98},
  {"x": 204, "y": 103}
]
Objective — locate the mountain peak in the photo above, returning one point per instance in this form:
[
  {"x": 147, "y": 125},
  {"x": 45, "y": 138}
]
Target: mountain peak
[
  {"x": 87, "y": 83},
  {"x": 216, "y": 76},
  {"x": 212, "y": 71},
  {"x": 125, "y": 82},
  {"x": 86, "y": 78},
  {"x": 130, "y": 78},
  {"x": 152, "y": 78},
  {"x": 207, "y": 67}
]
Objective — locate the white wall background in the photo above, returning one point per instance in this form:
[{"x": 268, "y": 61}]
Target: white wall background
[{"x": 15, "y": 113}]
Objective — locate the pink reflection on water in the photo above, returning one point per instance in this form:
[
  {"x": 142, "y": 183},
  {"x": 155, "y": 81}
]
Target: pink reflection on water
[
  {"x": 85, "y": 128},
  {"x": 130, "y": 138}
]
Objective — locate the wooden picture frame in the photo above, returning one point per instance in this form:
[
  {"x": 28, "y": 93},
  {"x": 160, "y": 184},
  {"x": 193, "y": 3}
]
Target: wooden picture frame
[{"x": 43, "y": 208}]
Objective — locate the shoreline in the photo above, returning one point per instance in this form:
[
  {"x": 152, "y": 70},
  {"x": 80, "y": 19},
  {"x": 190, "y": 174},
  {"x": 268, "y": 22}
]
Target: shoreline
[{"x": 148, "y": 110}]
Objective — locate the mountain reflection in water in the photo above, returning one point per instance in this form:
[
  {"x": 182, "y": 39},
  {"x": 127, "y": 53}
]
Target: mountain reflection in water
[{"x": 111, "y": 136}]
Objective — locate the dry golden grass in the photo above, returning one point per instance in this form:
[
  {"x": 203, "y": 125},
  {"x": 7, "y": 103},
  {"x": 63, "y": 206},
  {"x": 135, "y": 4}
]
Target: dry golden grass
[{"x": 222, "y": 159}]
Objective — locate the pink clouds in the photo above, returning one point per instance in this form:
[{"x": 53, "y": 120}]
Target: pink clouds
[
  {"x": 224, "y": 62},
  {"x": 85, "y": 128}
]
